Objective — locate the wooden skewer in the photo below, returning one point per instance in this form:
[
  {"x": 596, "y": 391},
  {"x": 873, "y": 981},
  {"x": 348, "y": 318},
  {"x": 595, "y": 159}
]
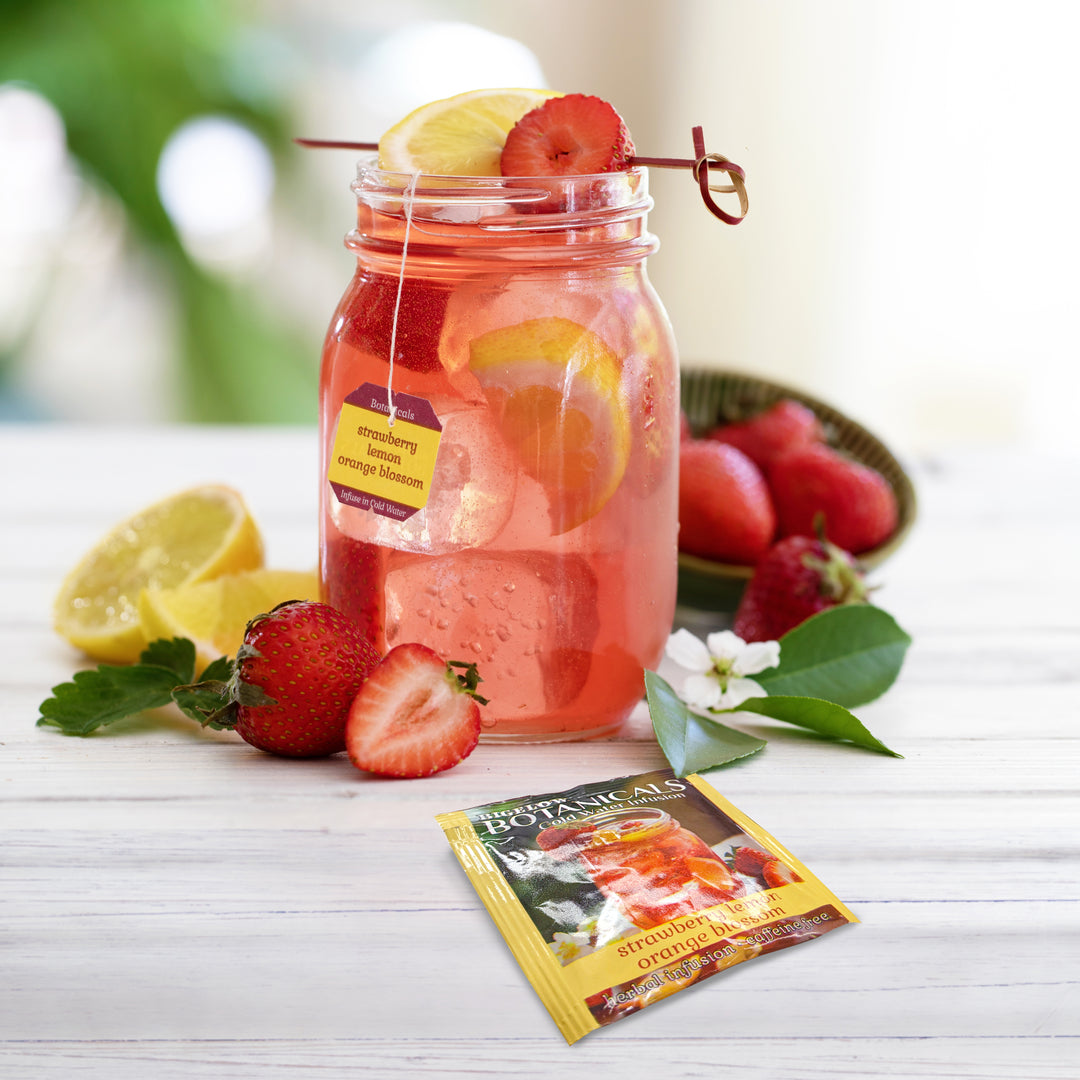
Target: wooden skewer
[{"x": 699, "y": 166}]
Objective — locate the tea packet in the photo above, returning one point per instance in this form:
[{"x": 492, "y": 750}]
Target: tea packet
[{"x": 616, "y": 894}]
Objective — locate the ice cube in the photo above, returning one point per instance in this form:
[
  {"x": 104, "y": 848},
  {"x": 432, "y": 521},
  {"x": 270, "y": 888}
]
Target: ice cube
[
  {"x": 528, "y": 619},
  {"x": 472, "y": 493}
]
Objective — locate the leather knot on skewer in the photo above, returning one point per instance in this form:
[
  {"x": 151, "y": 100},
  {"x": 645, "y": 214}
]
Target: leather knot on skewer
[
  {"x": 701, "y": 175},
  {"x": 700, "y": 166}
]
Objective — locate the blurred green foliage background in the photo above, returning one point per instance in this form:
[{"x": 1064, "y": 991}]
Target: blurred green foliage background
[
  {"x": 934, "y": 312},
  {"x": 124, "y": 74}
]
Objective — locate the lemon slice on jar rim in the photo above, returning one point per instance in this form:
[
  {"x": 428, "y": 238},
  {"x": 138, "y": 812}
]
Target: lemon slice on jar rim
[
  {"x": 555, "y": 388},
  {"x": 192, "y": 536},
  {"x": 461, "y": 135}
]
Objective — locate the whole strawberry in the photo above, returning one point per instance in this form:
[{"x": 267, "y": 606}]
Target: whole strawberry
[
  {"x": 799, "y": 577},
  {"x": 765, "y": 436},
  {"x": 295, "y": 676},
  {"x": 725, "y": 510},
  {"x": 858, "y": 505}
]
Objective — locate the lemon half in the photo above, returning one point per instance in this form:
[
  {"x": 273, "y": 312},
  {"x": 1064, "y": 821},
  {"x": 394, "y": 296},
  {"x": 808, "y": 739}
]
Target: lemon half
[
  {"x": 556, "y": 389},
  {"x": 214, "y": 614},
  {"x": 193, "y": 536},
  {"x": 458, "y": 136}
]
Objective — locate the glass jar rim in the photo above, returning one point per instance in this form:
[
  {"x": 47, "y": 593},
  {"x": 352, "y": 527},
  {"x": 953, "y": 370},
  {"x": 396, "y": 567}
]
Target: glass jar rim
[
  {"x": 652, "y": 820},
  {"x": 622, "y": 193},
  {"x": 369, "y": 166}
]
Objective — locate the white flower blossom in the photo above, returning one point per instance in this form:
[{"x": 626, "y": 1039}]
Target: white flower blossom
[
  {"x": 568, "y": 947},
  {"x": 719, "y": 667}
]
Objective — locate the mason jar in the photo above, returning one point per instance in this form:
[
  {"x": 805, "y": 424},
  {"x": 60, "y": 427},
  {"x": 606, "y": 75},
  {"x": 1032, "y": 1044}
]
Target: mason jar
[{"x": 499, "y": 404}]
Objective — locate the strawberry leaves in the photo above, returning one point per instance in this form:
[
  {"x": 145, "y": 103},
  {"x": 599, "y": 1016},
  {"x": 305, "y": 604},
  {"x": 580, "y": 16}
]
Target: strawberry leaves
[
  {"x": 104, "y": 695},
  {"x": 207, "y": 700},
  {"x": 111, "y": 692},
  {"x": 836, "y": 660},
  {"x": 176, "y": 655}
]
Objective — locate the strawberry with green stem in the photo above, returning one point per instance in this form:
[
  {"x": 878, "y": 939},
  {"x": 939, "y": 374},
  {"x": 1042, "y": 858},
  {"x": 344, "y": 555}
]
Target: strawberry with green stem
[
  {"x": 294, "y": 678},
  {"x": 749, "y": 861},
  {"x": 288, "y": 692},
  {"x": 798, "y": 577}
]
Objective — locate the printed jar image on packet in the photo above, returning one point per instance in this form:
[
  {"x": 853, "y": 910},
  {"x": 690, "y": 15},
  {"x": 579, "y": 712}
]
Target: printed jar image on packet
[{"x": 617, "y": 894}]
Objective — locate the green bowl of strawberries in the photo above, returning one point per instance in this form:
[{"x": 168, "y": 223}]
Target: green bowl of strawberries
[{"x": 760, "y": 461}]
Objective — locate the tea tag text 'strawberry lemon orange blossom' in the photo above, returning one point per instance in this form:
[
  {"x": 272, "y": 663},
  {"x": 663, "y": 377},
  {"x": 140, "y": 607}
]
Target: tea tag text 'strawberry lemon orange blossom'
[{"x": 382, "y": 467}]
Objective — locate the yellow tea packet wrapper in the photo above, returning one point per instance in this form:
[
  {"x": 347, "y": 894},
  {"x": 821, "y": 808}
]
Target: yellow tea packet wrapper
[{"x": 616, "y": 894}]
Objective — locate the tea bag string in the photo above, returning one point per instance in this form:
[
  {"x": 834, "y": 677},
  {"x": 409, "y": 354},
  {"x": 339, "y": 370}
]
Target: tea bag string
[{"x": 407, "y": 204}]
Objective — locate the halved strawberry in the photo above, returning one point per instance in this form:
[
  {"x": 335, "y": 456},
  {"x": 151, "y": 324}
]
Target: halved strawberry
[
  {"x": 414, "y": 715},
  {"x": 750, "y": 860},
  {"x": 575, "y": 134}
]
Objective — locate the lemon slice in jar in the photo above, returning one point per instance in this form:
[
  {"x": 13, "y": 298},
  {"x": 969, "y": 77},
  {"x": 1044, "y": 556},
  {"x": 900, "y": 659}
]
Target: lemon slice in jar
[
  {"x": 193, "y": 536},
  {"x": 555, "y": 389},
  {"x": 628, "y": 832},
  {"x": 458, "y": 136}
]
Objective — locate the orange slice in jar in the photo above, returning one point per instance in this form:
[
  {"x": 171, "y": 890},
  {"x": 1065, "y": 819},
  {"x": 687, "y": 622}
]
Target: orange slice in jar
[
  {"x": 556, "y": 390},
  {"x": 714, "y": 874}
]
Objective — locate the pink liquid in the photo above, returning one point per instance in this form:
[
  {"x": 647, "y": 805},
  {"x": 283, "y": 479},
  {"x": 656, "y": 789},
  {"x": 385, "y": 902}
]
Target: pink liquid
[{"x": 651, "y": 866}]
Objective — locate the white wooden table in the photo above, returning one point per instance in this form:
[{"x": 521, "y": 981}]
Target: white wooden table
[{"x": 174, "y": 904}]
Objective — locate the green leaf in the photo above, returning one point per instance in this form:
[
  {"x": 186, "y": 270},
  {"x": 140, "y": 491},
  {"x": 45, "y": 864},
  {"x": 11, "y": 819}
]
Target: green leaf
[
  {"x": 850, "y": 654},
  {"x": 111, "y": 692},
  {"x": 824, "y": 717},
  {"x": 220, "y": 669},
  {"x": 177, "y": 654},
  {"x": 207, "y": 700},
  {"x": 691, "y": 742},
  {"x": 103, "y": 695}
]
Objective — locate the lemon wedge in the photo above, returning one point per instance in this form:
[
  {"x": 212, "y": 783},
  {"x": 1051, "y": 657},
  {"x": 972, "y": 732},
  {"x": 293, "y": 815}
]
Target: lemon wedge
[
  {"x": 555, "y": 388},
  {"x": 214, "y": 614},
  {"x": 457, "y": 136},
  {"x": 192, "y": 536}
]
